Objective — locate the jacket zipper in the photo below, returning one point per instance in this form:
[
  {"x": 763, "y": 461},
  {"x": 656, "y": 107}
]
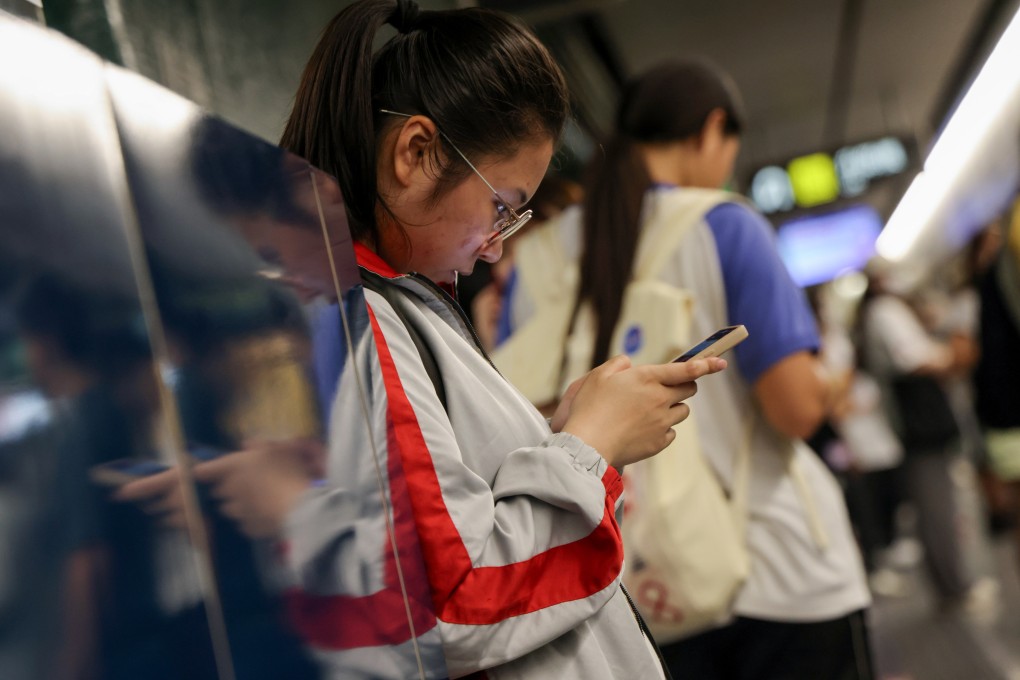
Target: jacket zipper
[{"x": 646, "y": 633}]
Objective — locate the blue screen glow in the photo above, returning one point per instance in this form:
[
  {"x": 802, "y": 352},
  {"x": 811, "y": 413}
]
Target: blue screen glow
[{"x": 819, "y": 248}]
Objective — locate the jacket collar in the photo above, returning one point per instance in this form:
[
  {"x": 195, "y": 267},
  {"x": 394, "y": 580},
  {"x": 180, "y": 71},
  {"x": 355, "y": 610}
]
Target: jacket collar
[{"x": 370, "y": 260}]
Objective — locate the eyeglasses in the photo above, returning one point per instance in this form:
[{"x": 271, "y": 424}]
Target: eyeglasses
[{"x": 510, "y": 221}]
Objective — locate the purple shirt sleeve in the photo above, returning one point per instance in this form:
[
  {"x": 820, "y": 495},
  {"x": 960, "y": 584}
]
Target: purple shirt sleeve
[
  {"x": 759, "y": 291},
  {"x": 505, "y": 325}
]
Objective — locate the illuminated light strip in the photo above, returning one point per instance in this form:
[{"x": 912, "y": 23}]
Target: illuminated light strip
[
  {"x": 974, "y": 118},
  {"x": 915, "y": 210}
]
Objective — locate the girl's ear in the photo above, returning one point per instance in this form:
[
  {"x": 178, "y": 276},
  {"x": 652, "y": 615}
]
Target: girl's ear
[
  {"x": 714, "y": 127},
  {"x": 411, "y": 149}
]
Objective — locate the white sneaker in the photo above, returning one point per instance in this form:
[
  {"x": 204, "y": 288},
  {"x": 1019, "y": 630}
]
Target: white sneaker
[
  {"x": 886, "y": 582},
  {"x": 982, "y": 604},
  {"x": 905, "y": 553}
]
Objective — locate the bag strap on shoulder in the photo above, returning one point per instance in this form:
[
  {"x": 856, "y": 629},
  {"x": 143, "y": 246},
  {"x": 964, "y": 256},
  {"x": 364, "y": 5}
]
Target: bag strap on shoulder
[
  {"x": 742, "y": 477},
  {"x": 670, "y": 216},
  {"x": 428, "y": 359},
  {"x": 542, "y": 263}
]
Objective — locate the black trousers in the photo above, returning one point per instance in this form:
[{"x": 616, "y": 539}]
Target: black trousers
[{"x": 752, "y": 649}]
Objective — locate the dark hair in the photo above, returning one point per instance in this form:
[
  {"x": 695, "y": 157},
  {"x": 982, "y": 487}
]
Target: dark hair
[
  {"x": 554, "y": 195},
  {"x": 481, "y": 76},
  {"x": 670, "y": 102},
  {"x": 101, "y": 332},
  {"x": 238, "y": 174}
]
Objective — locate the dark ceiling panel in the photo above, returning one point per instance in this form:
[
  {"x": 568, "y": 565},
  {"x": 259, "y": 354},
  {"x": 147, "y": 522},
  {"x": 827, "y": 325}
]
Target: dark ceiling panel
[{"x": 782, "y": 55}]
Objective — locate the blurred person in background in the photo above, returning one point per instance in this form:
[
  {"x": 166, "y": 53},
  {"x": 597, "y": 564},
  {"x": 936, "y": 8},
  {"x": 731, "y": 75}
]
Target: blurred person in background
[
  {"x": 951, "y": 312},
  {"x": 859, "y": 445},
  {"x": 127, "y": 590},
  {"x": 488, "y": 313},
  {"x": 997, "y": 377},
  {"x": 912, "y": 367},
  {"x": 801, "y": 612}
]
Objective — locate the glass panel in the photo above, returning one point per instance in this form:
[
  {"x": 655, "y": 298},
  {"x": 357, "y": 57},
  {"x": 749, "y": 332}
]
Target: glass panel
[
  {"x": 267, "y": 387},
  {"x": 90, "y": 586},
  {"x": 179, "y": 300},
  {"x": 350, "y": 440}
]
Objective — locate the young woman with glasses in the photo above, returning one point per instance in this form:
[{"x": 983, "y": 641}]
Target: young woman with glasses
[{"x": 438, "y": 140}]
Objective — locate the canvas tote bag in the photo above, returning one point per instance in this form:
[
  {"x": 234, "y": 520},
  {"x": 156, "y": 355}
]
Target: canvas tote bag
[{"x": 684, "y": 538}]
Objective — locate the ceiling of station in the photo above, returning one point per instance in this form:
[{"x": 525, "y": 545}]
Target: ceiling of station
[{"x": 782, "y": 55}]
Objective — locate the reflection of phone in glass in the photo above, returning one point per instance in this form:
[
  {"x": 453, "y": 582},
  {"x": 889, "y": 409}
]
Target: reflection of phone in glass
[
  {"x": 715, "y": 344},
  {"x": 202, "y": 453},
  {"x": 124, "y": 470}
]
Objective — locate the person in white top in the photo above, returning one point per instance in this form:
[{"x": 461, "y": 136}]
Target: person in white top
[{"x": 800, "y": 613}]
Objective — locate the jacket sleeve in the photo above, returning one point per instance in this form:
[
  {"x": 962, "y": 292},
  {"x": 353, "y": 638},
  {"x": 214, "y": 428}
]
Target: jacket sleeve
[{"x": 511, "y": 564}]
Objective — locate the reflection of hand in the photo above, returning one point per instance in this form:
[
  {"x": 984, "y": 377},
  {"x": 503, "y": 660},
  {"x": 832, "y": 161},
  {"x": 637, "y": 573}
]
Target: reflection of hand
[
  {"x": 159, "y": 495},
  {"x": 626, "y": 412},
  {"x": 260, "y": 485}
]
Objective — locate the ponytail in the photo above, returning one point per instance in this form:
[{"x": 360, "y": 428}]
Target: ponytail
[
  {"x": 333, "y": 108},
  {"x": 669, "y": 102},
  {"x": 612, "y": 224},
  {"x": 482, "y": 77}
]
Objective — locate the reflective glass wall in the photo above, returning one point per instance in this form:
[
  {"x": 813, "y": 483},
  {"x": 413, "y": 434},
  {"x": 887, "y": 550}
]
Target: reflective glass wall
[{"x": 189, "y": 485}]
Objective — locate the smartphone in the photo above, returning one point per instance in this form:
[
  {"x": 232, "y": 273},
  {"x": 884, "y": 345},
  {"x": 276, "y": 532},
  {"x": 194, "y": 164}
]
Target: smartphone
[
  {"x": 203, "y": 453},
  {"x": 123, "y": 470},
  {"x": 715, "y": 344}
]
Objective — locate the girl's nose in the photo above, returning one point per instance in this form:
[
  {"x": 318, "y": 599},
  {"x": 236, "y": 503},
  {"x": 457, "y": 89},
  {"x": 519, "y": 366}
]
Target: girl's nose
[{"x": 492, "y": 250}]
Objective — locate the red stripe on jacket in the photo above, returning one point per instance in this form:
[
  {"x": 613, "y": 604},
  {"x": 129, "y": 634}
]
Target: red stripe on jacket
[
  {"x": 338, "y": 622},
  {"x": 465, "y": 594}
]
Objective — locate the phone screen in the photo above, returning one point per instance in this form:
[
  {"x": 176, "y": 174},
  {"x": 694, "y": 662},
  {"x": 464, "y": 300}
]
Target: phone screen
[
  {"x": 738, "y": 334},
  {"x": 203, "y": 453},
  {"x": 136, "y": 468},
  {"x": 124, "y": 470}
]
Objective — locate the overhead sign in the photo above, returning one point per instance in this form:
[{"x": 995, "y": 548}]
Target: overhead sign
[
  {"x": 813, "y": 179},
  {"x": 820, "y": 178}
]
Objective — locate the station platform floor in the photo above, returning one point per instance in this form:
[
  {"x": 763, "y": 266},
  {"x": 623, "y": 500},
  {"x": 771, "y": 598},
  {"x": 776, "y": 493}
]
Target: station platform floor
[{"x": 917, "y": 638}]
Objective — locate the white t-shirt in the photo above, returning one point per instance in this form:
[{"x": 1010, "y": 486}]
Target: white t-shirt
[
  {"x": 793, "y": 578},
  {"x": 896, "y": 342}
]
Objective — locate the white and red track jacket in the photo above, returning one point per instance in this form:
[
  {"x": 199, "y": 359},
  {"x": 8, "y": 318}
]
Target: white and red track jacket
[{"x": 509, "y": 544}]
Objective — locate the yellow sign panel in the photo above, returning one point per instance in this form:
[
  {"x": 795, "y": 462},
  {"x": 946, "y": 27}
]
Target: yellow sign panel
[{"x": 814, "y": 179}]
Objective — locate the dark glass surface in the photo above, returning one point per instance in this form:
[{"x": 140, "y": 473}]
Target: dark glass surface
[
  {"x": 189, "y": 484},
  {"x": 90, "y": 586}
]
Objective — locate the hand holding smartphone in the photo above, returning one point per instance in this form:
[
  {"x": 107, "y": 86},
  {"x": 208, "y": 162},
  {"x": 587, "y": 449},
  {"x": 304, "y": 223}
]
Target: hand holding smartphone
[{"x": 714, "y": 345}]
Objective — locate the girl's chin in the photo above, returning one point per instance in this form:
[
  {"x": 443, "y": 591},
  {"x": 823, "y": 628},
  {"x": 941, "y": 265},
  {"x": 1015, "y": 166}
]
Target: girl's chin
[{"x": 448, "y": 277}]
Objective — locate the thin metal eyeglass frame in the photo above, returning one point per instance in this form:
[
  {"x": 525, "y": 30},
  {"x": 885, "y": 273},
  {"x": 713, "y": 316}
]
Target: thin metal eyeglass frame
[{"x": 510, "y": 225}]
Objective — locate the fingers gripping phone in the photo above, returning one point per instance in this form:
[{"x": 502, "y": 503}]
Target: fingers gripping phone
[{"x": 714, "y": 345}]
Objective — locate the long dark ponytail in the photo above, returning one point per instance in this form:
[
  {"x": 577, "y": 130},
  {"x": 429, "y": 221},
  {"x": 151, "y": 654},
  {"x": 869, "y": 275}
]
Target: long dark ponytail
[
  {"x": 482, "y": 76},
  {"x": 668, "y": 103}
]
